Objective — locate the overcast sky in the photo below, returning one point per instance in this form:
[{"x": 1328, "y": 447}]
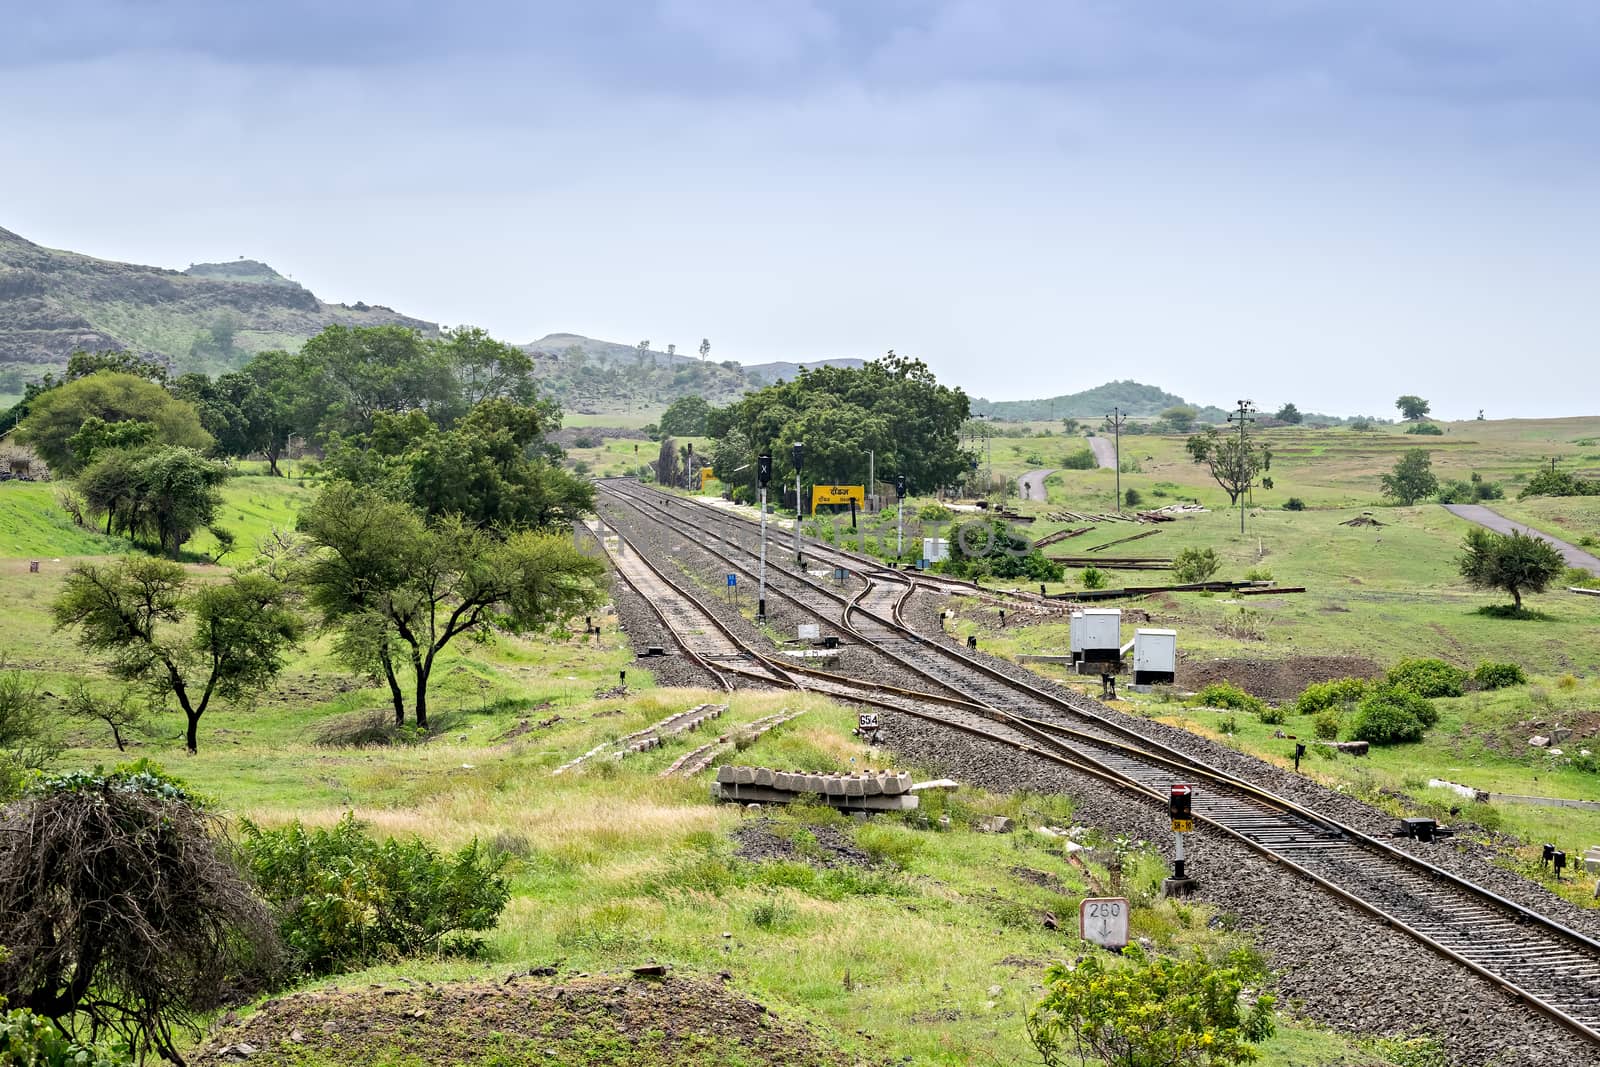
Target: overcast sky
[{"x": 1324, "y": 201}]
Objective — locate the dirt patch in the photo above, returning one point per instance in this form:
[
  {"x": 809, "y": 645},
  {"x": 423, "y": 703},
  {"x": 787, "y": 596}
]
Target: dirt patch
[
  {"x": 615, "y": 1019},
  {"x": 1274, "y": 679},
  {"x": 1043, "y": 879},
  {"x": 525, "y": 726},
  {"x": 765, "y": 839}
]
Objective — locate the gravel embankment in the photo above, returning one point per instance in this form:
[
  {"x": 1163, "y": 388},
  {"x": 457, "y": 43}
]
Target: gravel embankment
[{"x": 1333, "y": 964}]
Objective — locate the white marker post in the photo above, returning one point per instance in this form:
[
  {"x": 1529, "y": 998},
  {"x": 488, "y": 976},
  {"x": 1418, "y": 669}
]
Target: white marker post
[
  {"x": 1103, "y": 921},
  {"x": 763, "y": 476}
]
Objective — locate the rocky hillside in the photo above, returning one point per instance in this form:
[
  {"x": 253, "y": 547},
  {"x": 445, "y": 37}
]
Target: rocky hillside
[
  {"x": 599, "y": 377},
  {"x": 214, "y": 316},
  {"x": 210, "y": 317}
]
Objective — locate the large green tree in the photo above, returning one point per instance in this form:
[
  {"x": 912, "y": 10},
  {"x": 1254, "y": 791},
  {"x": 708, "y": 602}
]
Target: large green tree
[
  {"x": 487, "y": 369},
  {"x": 359, "y": 372},
  {"x": 491, "y": 467},
  {"x": 55, "y": 417},
  {"x": 160, "y": 495},
  {"x": 381, "y": 563},
  {"x": 1412, "y": 478},
  {"x": 893, "y": 406},
  {"x": 1233, "y": 461},
  {"x": 1514, "y": 562},
  {"x": 1412, "y": 407},
  {"x": 186, "y": 642}
]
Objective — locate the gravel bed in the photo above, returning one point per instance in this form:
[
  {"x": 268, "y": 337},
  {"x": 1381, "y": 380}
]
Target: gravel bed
[
  {"x": 1332, "y": 959},
  {"x": 1462, "y": 856},
  {"x": 644, "y": 629},
  {"x": 1333, "y": 965}
]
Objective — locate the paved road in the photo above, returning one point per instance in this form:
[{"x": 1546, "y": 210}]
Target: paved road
[
  {"x": 1032, "y": 484},
  {"x": 1575, "y": 556},
  {"x": 1105, "y": 451}
]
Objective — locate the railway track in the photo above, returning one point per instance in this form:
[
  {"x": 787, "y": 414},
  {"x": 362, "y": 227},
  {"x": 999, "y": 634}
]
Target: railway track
[{"x": 1552, "y": 968}]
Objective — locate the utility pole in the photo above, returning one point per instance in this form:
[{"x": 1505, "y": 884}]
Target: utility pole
[
  {"x": 799, "y": 454},
  {"x": 1116, "y": 419},
  {"x": 1243, "y": 418},
  {"x": 763, "y": 476},
  {"x": 900, "y": 517}
]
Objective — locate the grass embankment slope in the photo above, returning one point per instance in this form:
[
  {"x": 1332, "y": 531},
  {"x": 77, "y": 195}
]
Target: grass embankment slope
[{"x": 888, "y": 940}]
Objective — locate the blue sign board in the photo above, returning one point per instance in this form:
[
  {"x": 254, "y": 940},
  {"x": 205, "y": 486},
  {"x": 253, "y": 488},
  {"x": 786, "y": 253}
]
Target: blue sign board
[{"x": 733, "y": 579}]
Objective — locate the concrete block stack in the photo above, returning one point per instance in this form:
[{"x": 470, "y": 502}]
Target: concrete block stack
[{"x": 866, "y": 791}]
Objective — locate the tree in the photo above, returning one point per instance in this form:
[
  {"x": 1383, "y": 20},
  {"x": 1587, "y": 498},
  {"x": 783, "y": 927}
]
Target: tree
[
  {"x": 26, "y": 741},
  {"x": 1232, "y": 461},
  {"x": 430, "y": 583},
  {"x": 1289, "y": 414},
  {"x": 224, "y": 639},
  {"x": 176, "y": 494},
  {"x": 686, "y": 417},
  {"x": 1412, "y": 407},
  {"x": 1412, "y": 478},
  {"x": 81, "y": 364},
  {"x": 705, "y": 348},
  {"x": 96, "y": 436},
  {"x": 491, "y": 467},
  {"x": 55, "y": 417},
  {"x": 1180, "y": 417},
  {"x": 485, "y": 368},
  {"x": 1514, "y": 562},
  {"x": 124, "y": 910},
  {"x": 360, "y": 371}
]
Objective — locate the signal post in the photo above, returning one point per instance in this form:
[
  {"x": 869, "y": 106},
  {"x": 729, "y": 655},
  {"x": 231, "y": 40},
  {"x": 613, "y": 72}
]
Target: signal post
[
  {"x": 763, "y": 476},
  {"x": 1180, "y": 806}
]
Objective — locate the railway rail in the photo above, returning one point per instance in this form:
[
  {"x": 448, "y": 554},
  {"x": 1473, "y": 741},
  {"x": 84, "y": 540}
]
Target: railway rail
[{"x": 1552, "y": 968}]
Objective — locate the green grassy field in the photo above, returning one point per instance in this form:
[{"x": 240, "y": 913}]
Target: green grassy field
[{"x": 616, "y": 865}]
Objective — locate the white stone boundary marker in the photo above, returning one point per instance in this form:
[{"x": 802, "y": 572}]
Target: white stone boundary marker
[{"x": 1103, "y": 921}]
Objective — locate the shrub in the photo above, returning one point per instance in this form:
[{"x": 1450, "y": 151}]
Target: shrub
[
  {"x": 123, "y": 910},
  {"x": 1382, "y": 721},
  {"x": 1425, "y": 429},
  {"x": 1419, "y": 706},
  {"x": 1081, "y": 460},
  {"x": 1272, "y": 716},
  {"x": 934, "y": 513},
  {"x": 584, "y": 440},
  {"x": 1294, "y": 503},
  {"x": 1499, "y": 675},
  {"x": 1147, "y": 1009},
  {"x": 1428, "y": 677},
  {"x": 1093, "y": 577},
  {"x": 1258, "y": 574},
  {"x": 1320, "y": 696},
  {"x": 1326, "y": 725},
  {"x": 1132, "y": 498},
  {"x": 1459, "y": 491},
  {"x": 345, "y": 900},
  {"x": 33, "y": 1041},
  {"x": 1193, "y": 565},
  {"x": 1230, "y": 697}
]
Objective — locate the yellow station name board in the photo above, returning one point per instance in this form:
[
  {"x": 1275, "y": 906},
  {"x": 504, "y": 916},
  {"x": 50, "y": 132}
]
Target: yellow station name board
[
  {"x": 838, "y": 494},
  {"x": 706, "y": 475}
]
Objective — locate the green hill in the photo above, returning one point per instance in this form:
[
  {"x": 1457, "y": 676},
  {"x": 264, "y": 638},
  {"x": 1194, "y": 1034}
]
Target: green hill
[
  {"x": 1132, "y": 397},
  {"x": 211, "y": 317},
  {"x": 593, "y": 377}
]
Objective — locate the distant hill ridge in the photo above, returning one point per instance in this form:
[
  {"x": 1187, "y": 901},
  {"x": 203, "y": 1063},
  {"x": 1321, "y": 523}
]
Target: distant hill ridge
[
  {"x": 213, "y": 317},
  {"x": 1133, "y": 398}
]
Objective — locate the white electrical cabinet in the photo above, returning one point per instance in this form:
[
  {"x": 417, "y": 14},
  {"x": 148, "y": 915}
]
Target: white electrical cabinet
[
  {"x": 1075, "y": 636},
  {"x": 935, "y": 549},
  {"x": 1102, "y": 638},
  {"x": 1155, "y": 657}
]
